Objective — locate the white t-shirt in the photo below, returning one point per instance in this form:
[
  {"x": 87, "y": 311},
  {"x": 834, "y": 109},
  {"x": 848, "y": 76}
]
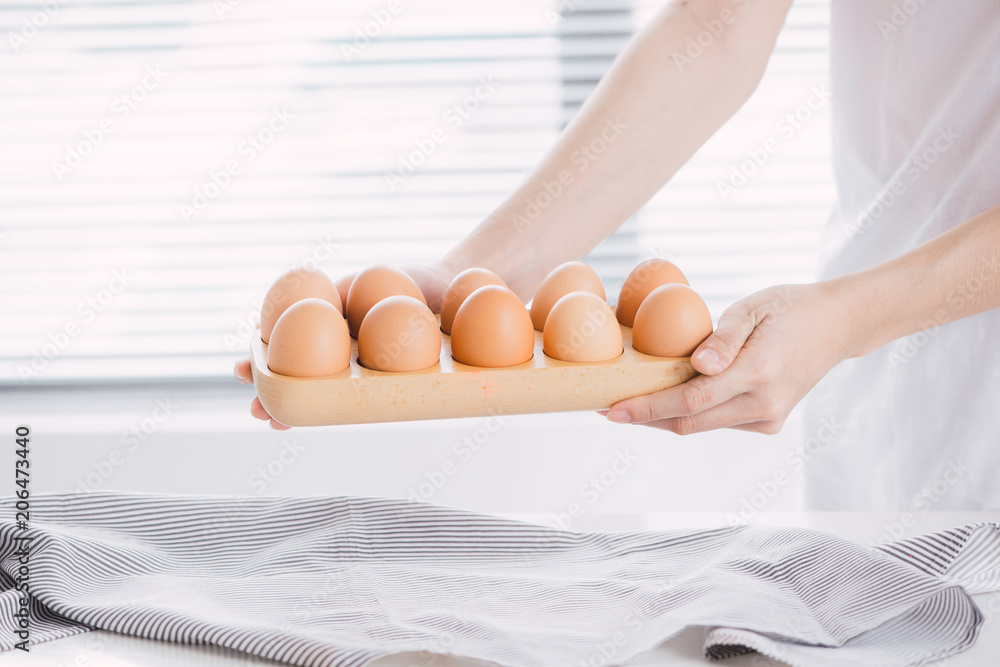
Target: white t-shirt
[{"x": 915, "y": 425}]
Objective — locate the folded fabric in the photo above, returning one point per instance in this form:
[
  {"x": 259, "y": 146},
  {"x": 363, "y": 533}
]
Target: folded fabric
[{"x": 345, "y": 580}]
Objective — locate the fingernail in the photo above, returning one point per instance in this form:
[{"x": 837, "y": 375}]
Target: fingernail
[
  {"x": 708, "y": 356},
  {"x": 619, "y": 417}
]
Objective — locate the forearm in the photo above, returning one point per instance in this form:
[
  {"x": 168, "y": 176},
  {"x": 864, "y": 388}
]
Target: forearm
[
  {"x": 952, "y": 276},
  {"x": 648, "y": 115}
]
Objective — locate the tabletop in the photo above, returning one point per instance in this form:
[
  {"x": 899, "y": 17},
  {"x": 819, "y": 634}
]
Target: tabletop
[{"x": 107, "y": 649}]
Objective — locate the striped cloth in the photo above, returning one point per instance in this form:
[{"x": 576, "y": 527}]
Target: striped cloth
[{"x": 345, "y": 580}]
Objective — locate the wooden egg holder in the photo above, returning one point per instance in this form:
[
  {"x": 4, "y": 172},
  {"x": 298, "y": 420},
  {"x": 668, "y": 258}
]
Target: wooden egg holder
[{"x": 358, "y": 395}]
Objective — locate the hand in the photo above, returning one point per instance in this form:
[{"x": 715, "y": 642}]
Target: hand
[
  {"x": 242, "y": 372},
  {"x": 432, "y": 279},
  {"x": 768, "y": 351}
]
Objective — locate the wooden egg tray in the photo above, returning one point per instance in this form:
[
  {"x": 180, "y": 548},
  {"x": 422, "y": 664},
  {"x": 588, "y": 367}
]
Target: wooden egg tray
[{"x": 358, "y": 395}]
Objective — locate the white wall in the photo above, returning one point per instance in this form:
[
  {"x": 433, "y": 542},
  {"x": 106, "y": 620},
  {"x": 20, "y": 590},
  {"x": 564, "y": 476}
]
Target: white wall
[{"x": 529, "y": 463}]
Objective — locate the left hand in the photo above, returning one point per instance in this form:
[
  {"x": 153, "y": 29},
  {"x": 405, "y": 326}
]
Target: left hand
[{"x": 768, "y": 351}]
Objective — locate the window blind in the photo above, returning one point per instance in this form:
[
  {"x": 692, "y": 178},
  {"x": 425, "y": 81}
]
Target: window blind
[{"x": 164, "y": 161}]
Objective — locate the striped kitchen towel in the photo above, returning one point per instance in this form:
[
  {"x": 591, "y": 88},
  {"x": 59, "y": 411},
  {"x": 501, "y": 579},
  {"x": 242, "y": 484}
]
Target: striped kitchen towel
[{"x": 345, "y": 580}]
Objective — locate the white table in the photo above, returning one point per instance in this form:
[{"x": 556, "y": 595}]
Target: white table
[{"x": 104, "y": 649}]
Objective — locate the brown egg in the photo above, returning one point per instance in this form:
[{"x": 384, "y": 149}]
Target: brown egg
[
  {"x": 291, "y": 287},
  {"x": 672, "y": 321},
  {"x": 492, "y": 329},
  {"x": 565, "y": 278},
  {"x": 343, "y": 285},
  {"x": 644, "y": 279},
  {"x": 371, "y": 286},
  {"x": 582, "y": 327},
  {"x": 399, "y": 334},
  {"x": 310, "y": 339},
  {"x": 464, "y": 284}
]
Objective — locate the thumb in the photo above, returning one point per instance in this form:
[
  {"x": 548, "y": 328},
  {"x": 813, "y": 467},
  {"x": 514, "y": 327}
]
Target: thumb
[{"x": 717, "y": 352}]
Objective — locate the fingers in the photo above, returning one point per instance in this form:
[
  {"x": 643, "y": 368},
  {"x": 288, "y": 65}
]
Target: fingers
[
  {"x": 258, "y": 411},
  {"x": 241, "y": 369},
  {"x": 699, "y": 394},
  {"x": 718, "y": 351},
  {"x": 433, "y": 281},
  {"x": 765, "y": 427},
  {"x": 742, "y": 412}
]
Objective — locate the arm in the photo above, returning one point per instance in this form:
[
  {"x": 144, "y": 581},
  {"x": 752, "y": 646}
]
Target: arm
[
  {"x": 771, "y": 348},
  {"x": 952, "y": 276},
  {"x": 648, "y": 116}
]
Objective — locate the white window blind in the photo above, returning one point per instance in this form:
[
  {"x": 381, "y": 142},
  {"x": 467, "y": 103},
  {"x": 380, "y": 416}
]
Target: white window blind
[{"x": 162, "y": 162}]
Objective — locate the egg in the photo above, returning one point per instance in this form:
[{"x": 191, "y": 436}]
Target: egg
[
  {"x": 644, "y": 278},
  {"x": 565, "y": 278},
  {"x": 343, "y": 285},
  {"x": 582, "y": 327},
  {"x": 371, "y": 286},
  {"x": 399, "y": 334},
  {"x": 310, "y": 339},
  {"x": 464, "y": 284},
  {"x": 671, "y": 322},
  {"x": 293, "y": 286},
  {"x": 492, "y": 329}
]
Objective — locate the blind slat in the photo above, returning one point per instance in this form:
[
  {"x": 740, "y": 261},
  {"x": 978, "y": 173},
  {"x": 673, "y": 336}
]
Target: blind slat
[{"x": 317, "y": 191}]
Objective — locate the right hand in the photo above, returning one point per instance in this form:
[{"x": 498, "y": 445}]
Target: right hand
[{"x": 433, "y": 281}]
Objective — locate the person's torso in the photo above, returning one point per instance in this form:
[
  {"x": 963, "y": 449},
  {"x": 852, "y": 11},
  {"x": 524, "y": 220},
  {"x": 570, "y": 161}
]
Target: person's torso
[{"x": 916, "y": 150}]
